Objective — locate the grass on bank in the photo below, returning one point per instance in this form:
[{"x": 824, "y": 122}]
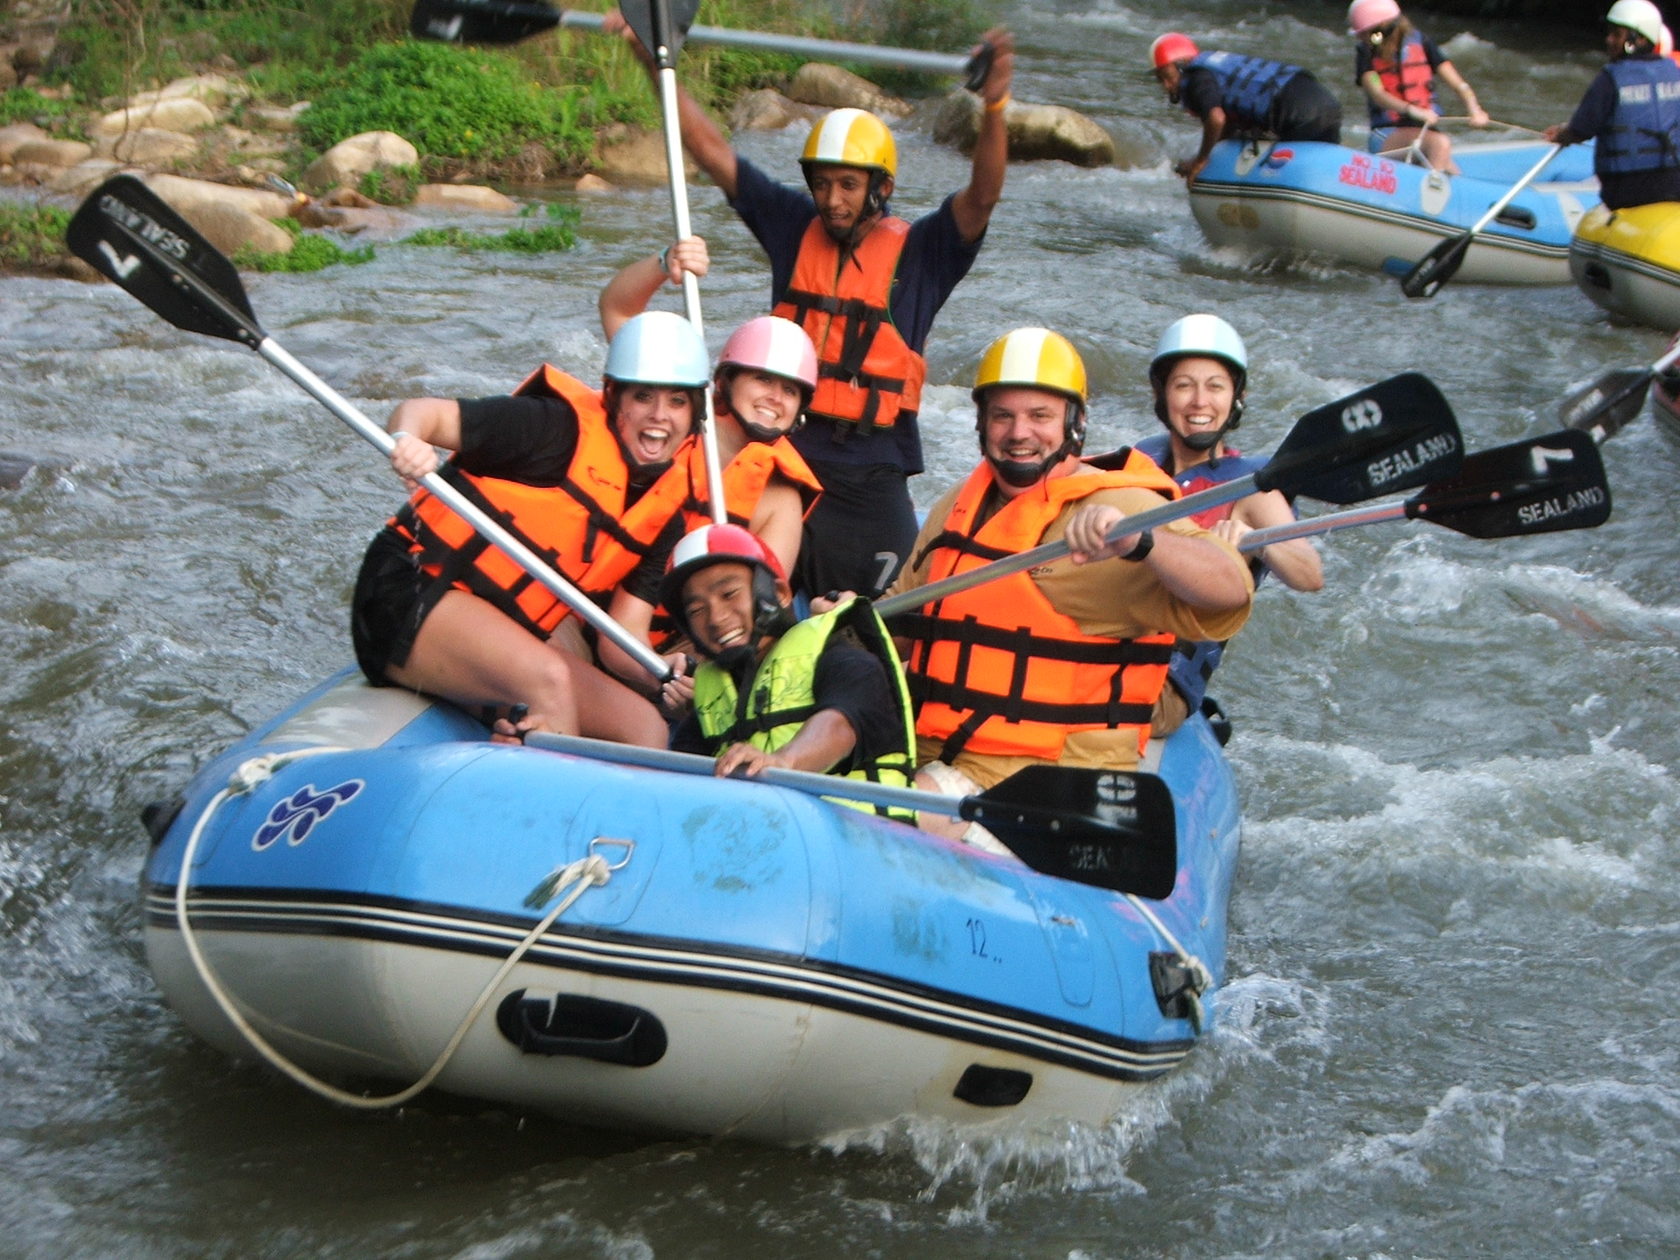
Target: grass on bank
[
  {"x": 475, "y": 111},
  {"x": 31, "y": 237}
]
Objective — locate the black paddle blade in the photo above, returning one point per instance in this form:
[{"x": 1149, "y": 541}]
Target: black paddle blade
[
  {"x": 660, "y": 23},
  {"x": 1538, "y": 486},
  {"x": 1394, "y": 435},
  {"x": 978, "y": 67},
  {"x": 129, "y": 234},
  {"x": 1609, "y": 403},
  {"x": 480, "y": 21},
  {"x": 1436, "y": 267},
  {"x": 1098, "y": 827}
]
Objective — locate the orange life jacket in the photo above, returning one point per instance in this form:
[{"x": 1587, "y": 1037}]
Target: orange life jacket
[
  {"x": 580, "y": 527},
  {"x": 744, "y": 479},
  {"x": 866, "y": 374},
  {"x": 996, "y": 669},
  {"x": 1409, "y": 77}
]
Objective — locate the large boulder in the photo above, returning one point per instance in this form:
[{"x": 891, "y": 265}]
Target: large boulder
[
  {"x": 628, "y": 156},
  {"x": 230, "y": 228},
  {"x": 818, "y": 83},
  {"x": 1036, "y": 132},
  {"x": 768, "y": 110},
  {"x": 348, "y": 160},
  {"x": 58, "y": 154},
  {"x": 472, "y": 198},
  {"x": 14, "y": 134},
  {"x": 182, "y": 113},
  {"x": 187, "y": 195},
  {"x": 149, "y": 146}
]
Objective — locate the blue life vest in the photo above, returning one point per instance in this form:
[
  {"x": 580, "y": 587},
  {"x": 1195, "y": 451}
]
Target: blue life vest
[
  {"x": 1644, "y": 130},
  {"x": 1194, "y": 661},
  {"x": 1247, "y": 85}
]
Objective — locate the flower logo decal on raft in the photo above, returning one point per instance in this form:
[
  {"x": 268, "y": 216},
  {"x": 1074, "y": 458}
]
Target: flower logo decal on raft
[
  {"x": 1362, "y": 172},
  {"x": 296, "y": 816},
  {"x": 1277, "y": 159}
]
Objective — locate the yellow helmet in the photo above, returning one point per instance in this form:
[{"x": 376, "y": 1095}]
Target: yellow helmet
[
  {"x": 1034, "y": 357},
  {"x": 851, "y": 137}
]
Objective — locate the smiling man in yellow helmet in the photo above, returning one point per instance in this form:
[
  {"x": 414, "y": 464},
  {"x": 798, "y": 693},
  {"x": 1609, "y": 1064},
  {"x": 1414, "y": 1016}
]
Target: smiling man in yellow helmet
[
  {"x": 1062, "y": 663},
  {"x": 866, "y": 286}
]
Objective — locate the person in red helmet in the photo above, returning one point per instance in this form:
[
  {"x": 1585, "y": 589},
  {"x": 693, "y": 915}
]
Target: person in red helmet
[
  {"x": 825, "y": 694},
  {"x": 1395, "y": 65},
  {"x": 1238, "y": 96}
]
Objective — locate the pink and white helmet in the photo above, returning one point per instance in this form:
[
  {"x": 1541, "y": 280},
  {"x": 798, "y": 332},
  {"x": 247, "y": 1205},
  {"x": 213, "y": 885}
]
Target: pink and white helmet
[
  {"x": 775, "y": 345},
  {"x": 1364, "y": 15}
]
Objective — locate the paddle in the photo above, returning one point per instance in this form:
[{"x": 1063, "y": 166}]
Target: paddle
[
  {"x": 1100, "y": 827},
  {"x": 510, "y": 21},
  {"x": 661, "y": 32},
  {"x": 1393, "y": 435},
  {"x": 1442, "y": 263},
  {"x": 1535, "y": 486},
  {"x": 129, "y": 234},
  {"x": 1614, "y": 399}
]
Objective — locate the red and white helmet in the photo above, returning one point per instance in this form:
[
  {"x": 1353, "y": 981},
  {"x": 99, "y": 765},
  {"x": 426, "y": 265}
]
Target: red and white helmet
[
  {"x": 1171, "y": 47},
  {"x": 1365, "y": 15},
  {"x": 719, "y": 544},
  {"x": 775, "y": 345}
]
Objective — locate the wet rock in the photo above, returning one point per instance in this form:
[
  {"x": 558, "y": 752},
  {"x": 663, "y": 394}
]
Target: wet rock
[
  {"x": 624, "y": 155},
  {"x": 818, "y": 83},
  {"x": 1036, "y": 132},
  {"x": 13, "y": 467},
  {"x": 768, "y": 110},
  {"x": 474, "y": 198},
  {"x": 188, "y": 195}
]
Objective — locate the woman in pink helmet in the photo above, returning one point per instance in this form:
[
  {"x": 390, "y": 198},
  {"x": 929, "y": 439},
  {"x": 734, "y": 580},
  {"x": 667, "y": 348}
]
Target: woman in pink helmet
[
  {"x": 1395, "y": 65},
  {"x": 765, "y": 377}
]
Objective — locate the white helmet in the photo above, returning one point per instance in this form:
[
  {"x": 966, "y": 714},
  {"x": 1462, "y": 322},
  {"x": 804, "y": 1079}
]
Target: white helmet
[
  {"x": 658, "y": 348},
  {"x": 1639, "y": 16}
]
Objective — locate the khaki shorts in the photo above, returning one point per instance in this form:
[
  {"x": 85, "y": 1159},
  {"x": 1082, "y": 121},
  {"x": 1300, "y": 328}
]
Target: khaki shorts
[{"x": 953, "y": 782}]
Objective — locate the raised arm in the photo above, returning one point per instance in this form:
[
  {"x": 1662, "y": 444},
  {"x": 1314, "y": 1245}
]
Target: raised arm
[
  {"x": 701, "y": 135},
  {"x": 628, "y": 293},
  {"x": 973, "y": 205},
  {"x": 1455, "y": 80}
]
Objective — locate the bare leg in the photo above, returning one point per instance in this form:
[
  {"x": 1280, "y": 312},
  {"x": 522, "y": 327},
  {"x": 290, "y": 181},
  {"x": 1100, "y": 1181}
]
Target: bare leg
[{"x": 469, "y": 652}]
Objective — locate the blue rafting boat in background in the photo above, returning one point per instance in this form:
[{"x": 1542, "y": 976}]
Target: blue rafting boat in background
[
  {"x": 1377, "y": 212},
  {"x": 368, "y": 876}
]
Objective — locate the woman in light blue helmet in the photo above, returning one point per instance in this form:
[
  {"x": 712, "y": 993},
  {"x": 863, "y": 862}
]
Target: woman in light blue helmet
[
  {"x": 575, "y": 474},
  {"x": 1198, "y": 374}
]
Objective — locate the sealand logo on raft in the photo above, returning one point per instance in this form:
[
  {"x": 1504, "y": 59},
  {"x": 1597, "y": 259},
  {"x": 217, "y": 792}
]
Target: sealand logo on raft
[
  {"x": 296, "y": 816},
  {"x": 1361, "y": 172}
]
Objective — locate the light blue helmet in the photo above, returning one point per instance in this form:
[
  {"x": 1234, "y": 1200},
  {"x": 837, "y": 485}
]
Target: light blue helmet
[
  {"x": 1204, "y": 336},
  {"x": 658, "y": 348}
]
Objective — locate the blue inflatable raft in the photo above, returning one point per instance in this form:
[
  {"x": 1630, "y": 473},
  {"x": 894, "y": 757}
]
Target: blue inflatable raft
[
  {"x": 1378, "y": 212},
  {"x": 374, "y": 892}
]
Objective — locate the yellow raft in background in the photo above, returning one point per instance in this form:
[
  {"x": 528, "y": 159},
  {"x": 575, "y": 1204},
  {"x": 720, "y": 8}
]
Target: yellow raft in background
[{"x": 1628, "y": 261}]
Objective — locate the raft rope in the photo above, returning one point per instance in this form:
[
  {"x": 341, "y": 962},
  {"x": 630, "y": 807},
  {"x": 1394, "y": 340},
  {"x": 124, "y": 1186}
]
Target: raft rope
[
  {"x": 1201, "y": 979},
  {"x": 583, "y": 874}
]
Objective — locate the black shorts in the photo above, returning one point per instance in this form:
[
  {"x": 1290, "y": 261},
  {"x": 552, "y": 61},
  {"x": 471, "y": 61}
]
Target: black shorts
[
  {"x": 860, "y": 531},
  {"x": 392, "y": 598}
]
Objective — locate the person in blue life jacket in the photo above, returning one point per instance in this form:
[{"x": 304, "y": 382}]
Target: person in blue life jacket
[
  {"x": 1395, "y": 66},
  {"x": 1242, "y": 97},
  {"x": 866, "y": 285},
  {"x": 825, "y": 695},
  {"x": 1198, "y": 375},
  {"x": 1632, "y": 110}
]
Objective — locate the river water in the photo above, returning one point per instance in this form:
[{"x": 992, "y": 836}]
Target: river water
[{"x": 1450, "y": 1023}]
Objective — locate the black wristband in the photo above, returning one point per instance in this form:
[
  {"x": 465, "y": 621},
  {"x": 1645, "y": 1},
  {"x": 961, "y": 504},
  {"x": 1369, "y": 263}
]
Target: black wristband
[{"x": 1145, "y": 544}]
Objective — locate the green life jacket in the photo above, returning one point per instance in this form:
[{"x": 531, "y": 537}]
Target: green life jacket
[{"x": 782, "y": 696}]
